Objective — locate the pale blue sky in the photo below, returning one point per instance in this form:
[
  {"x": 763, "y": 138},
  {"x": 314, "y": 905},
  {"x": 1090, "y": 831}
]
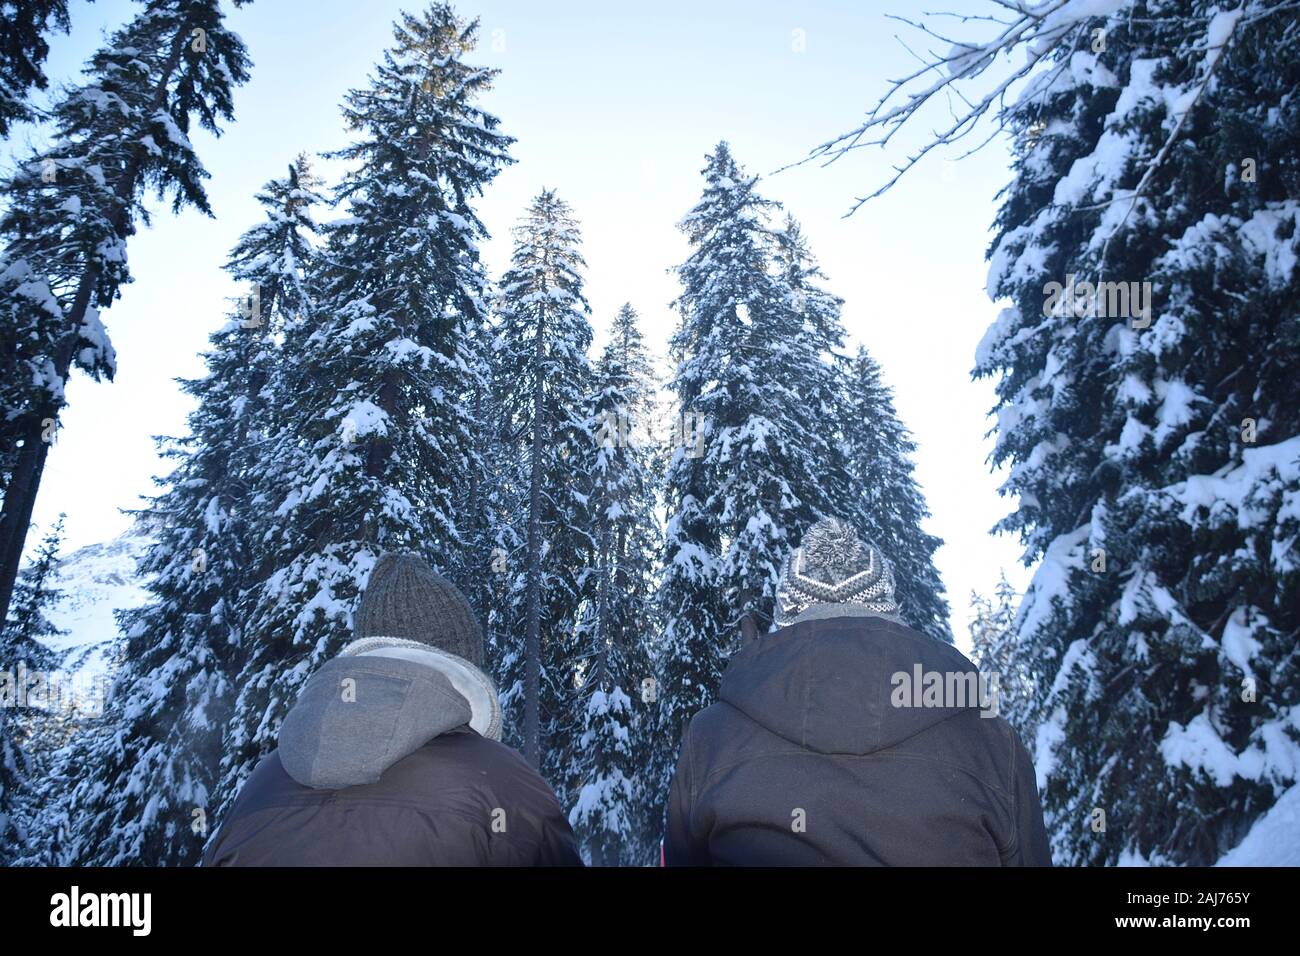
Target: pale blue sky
[{"x": 616, "y": 109}]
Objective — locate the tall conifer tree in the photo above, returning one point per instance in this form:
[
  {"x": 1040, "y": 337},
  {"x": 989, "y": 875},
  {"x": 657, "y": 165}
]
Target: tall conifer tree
[
  {"x": 23, "y": 49},
  {"x": 618, "y": 622},
  {"x": 1146, "y": 412},
  {"x": 375, "y": 435},
  {"x": 543, "y": 335},
  {"x": 884, "y": 500},
  {"x": 145, "y": 794}
]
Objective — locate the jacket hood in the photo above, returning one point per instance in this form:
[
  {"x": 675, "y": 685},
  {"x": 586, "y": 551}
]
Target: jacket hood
[
  {"x": 850, "y": 685},
  {"x": 468, "y": 681},
  {"x": 360, "y": 713}
]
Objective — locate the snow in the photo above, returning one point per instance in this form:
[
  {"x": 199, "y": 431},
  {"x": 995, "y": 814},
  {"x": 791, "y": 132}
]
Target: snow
[
  {"x": 359, "y": 326},
  {"x": 1092, "y": 177},
  {"x": 34, "y": 290},
  {"x": 1260, "y": 236},
  {"x": 100, "y": 348},
  {"x": 1270, "y": 755},
  {"x": 1086, "y": 68},
  {"x": 457, "y": 220},
  {"x": 1175, "y": 407},
  {"x": 1131, "y": 438},
  {"x": 1221, "y": 26},
  {"x": 1072, "y": 11},
  {"x": 1239, "y": 646},
  {"x": 1274, "y": 840},
  {"x": 401, "y": 349},
  {"x": 365, "y": 418},
  {"x": 214, "y": 517},
  {"x": 1233, "y": 489},
  {"x": 1198, "y": 746},
  {"x": 963, "y": 57},
  {"x": 1051, "y": 732}
]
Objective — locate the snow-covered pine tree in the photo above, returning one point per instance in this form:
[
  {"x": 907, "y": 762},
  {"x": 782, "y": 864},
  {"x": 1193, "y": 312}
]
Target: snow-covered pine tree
[
  {"x": 543, "y": 334},
  {"x": 1150, "y": 423},
  {"x": 35, "y": 592},
  {"x": 994, "y": 648},
  {"x": 374, "y": 435},
  {"x": 808, "y": 339},
  {"x": 690, "y": 657},
  {"x": 69, "y": 210},
  {"x": 145, "y": 793},
  {"x": 273, "y": 260},
  {"x": 884, "y": 501},
  {"x": 750, "y": 469},
  {"x": 618, "y": 621},
  {"x": 605, "y": 810},
  {"x": 23, "y": 49},
  {"x": 22, "y": 653}
]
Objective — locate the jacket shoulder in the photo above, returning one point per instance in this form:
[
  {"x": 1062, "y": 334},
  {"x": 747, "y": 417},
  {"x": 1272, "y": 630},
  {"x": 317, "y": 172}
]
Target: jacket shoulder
[
  {"x": 460, "y": 800},
  {"x": 509, "y": 796}
]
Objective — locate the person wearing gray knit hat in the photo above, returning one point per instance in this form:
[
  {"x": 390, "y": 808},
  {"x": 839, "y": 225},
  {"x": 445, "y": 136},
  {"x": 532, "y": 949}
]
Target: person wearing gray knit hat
[
  {"x": 834, "y": 573},
  {"x": 391, "y": 755},
  {"x": 847, "y": 738},
  {"x": 411, "y": 612},
  {"x": 405, "y": 598}
]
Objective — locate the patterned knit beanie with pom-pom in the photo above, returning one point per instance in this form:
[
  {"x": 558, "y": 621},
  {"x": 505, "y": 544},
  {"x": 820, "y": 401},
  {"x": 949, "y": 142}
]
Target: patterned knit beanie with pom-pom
[{"x": 833, "y": 565}]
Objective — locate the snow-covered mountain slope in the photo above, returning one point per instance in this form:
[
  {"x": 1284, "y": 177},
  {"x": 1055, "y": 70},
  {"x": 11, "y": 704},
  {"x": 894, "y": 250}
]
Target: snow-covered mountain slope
[{"x": 94, "y": 582}]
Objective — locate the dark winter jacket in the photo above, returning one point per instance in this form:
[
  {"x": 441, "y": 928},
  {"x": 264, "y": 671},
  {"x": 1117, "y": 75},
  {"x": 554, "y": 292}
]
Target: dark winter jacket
[
  {"x": 805, "y": 760},
  {"x": 386, "y": 771}
]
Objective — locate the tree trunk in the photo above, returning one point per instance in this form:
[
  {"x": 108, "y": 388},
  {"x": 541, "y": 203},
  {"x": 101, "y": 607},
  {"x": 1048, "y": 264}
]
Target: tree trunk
[
  {"x": 602, "y": 608},
  {"x": 533, "y": 607},
  {"x": 20, "y": 496}
]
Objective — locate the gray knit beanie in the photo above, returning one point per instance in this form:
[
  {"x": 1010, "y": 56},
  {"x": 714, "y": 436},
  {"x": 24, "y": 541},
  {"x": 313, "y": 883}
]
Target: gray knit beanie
[
  {"x": 833, "y": 566},
  {"x": 406, "y": 598}
]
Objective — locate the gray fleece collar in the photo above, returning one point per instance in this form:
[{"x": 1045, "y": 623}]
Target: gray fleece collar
[{"x": 820, "y": 612}]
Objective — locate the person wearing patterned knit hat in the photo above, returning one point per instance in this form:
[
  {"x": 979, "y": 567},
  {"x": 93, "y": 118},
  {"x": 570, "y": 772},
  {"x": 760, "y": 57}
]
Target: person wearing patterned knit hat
[{"x": 845, "y": 737}]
